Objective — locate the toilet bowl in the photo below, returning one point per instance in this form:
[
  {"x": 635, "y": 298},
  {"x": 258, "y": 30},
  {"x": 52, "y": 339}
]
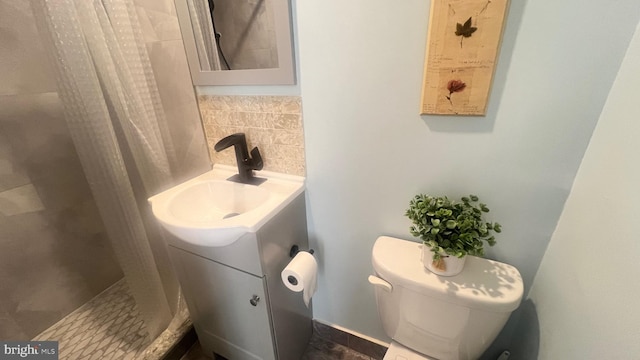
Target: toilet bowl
[{"x": 435, "y": 317}]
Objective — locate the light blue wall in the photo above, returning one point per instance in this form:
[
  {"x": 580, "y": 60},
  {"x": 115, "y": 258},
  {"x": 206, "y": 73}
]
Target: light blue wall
[
  {"x": 368, "y": 151},
  {"x": 586, "y": 286}
]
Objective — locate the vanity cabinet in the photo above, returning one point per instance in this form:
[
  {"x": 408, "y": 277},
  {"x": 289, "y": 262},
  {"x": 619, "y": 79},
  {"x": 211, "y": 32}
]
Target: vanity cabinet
[
  {"x": 239, "y": 306},
  {"x": 223, "y": 315}
]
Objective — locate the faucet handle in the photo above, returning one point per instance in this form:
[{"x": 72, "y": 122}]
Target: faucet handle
[{"x": 256, "y": 159}]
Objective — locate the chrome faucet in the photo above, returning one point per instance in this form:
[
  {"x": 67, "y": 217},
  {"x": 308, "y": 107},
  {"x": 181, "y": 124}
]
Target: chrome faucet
[{"x": 246, "y": 163}]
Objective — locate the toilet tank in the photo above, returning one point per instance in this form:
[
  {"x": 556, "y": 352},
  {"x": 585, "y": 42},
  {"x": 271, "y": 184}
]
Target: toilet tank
[{"x": 448, "y": 318}]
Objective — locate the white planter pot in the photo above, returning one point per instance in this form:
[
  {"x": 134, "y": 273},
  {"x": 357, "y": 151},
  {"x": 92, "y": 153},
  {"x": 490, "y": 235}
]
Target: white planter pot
[{"x": 447, "y": 265}]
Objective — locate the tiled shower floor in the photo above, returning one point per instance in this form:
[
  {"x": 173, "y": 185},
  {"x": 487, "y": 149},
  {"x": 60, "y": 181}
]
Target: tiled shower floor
[{"x": 106, "y": 327}]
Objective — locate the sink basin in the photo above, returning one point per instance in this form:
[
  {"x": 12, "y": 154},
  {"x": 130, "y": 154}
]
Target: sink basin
[
  {"x": 210, "y": 210},
  {"x": 213, "y": 200}
]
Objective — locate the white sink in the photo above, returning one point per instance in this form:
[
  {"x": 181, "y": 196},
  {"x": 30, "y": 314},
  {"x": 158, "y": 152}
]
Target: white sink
[{"x": 210, "y": 210}]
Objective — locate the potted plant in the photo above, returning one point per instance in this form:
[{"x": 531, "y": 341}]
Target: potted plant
[{"x": 451, "y": 230}]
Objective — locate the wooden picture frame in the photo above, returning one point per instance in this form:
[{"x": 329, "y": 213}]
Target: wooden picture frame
[{"x": 462, "y": 49}]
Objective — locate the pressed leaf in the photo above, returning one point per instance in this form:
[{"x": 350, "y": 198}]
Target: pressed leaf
[
  {"x": 465, "y": 30},
  {"x": 467, "y": 23}
]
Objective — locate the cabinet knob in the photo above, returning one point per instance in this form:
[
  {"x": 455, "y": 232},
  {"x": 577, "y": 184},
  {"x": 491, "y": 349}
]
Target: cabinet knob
[{"x": 254, "y": 300}]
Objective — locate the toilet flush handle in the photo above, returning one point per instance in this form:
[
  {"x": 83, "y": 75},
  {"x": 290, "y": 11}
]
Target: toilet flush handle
[{"x": 376, "y": 281}]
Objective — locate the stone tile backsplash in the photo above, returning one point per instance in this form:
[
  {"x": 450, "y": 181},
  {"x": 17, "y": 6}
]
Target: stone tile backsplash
[{"x": 272, "y": 123}]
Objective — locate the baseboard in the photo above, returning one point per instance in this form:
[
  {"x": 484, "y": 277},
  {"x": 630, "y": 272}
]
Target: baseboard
[{"x": 359, "y": 342}]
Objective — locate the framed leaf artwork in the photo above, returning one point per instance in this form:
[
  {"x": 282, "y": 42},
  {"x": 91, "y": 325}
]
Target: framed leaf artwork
[{"x": 462, "y": 49}]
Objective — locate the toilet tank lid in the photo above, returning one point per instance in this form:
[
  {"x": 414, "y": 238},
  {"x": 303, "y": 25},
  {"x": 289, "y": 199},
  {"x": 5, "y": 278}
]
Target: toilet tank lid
[{"x": 483, "y": 284}]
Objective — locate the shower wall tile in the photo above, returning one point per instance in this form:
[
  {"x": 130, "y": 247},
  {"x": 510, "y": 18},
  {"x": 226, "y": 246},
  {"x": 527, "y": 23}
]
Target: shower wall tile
[
  {"x": 166, "y": 7},
  {"x": 10, "y": 329},
  {"x": 196, "y": 160},
  {"x": 170, "y": 67},
  {"x": 24, "y": 68},
  {"x": 11, "y": 175},
  {"x": 5, "y": 167},
  {"x": 161, "y": 31},
  {"x": 272, "y": 123},
  {"x": 20, "y": 200},
  {"x": 45, "y": 153},
  {"x": 54, "y": 254},
  {"x": 158, "y": 20}
]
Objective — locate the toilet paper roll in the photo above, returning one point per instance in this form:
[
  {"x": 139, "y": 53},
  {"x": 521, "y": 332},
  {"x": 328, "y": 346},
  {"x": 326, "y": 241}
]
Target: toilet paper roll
[{"x": 301, "y": 274}]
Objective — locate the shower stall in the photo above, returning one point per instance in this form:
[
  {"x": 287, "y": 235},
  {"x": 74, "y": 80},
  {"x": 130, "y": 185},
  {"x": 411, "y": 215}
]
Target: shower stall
[{"x": 97, "y": 113}]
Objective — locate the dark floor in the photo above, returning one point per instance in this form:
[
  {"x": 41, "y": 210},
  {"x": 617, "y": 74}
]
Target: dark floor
[{"x": 318, "y": 349}]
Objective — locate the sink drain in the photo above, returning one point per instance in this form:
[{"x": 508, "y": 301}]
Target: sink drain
[{"x": 230, "y": 215}]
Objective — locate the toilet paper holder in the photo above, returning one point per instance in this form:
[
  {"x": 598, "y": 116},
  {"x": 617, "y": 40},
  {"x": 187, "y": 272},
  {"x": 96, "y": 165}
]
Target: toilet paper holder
[{"x": 296, "y": 249}]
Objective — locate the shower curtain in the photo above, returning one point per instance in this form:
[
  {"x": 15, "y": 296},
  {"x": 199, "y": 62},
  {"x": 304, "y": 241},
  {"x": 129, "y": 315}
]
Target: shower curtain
[
  {"x": 203, "y": 34},
  {"x": 115, "y": 118}
]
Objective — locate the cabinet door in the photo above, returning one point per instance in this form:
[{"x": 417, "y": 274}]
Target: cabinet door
[{"x": 228, "y": 307}]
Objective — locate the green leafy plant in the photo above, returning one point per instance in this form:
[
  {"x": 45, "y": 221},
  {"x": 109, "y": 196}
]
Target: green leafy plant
[{"x": 449, "y": 227}]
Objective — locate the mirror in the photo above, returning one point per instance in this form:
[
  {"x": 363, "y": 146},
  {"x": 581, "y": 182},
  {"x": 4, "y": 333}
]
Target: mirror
[{"x": 237, "y": 42}]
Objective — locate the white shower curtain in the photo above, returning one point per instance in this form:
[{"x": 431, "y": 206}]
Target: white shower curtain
[
  {"x": 115, "y": 118},
  {"x": 203, "y": 33}
]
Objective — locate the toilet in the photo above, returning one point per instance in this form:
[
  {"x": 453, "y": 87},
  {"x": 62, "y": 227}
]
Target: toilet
[{"x": 437, "y": 317}]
